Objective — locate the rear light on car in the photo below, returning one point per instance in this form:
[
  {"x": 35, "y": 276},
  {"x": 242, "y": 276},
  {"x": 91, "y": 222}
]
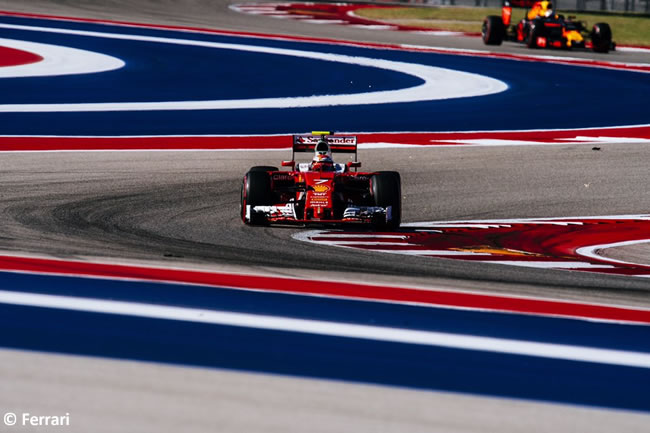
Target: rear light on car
[{"x": 541, "y": 42}]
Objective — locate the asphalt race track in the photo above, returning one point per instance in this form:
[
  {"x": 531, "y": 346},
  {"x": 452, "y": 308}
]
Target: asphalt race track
[{"x": 189, "y": 358}]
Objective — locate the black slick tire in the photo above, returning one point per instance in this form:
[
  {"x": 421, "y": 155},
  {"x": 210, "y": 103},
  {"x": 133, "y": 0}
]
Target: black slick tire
[
  {"x": 386, "y": 190},
  {"x": 255, "y": 191},
  {"x": 493, "y": 30},
  {"x": 601, "y": 38},
  {"x": 263, "y": 168}
]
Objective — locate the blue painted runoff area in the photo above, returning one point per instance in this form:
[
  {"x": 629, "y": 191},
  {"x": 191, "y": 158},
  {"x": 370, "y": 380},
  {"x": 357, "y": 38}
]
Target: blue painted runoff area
[
  {"x": 320, "y": 356},
  {"x": 540, "y": 95}
]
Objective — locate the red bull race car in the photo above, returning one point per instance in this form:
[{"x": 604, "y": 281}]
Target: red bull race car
[
  {"x": 541, "y": 27},
  {"x": 322, "y": 191}
]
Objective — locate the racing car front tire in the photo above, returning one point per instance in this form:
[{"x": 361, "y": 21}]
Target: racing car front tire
[
  {"x": 255, "y": 191},
  {"x": 493, "y": 30},
  {"x": 263, "y": 168},
  {"x": 386, "y": 189},
  {"x": 601, "y": 38}
]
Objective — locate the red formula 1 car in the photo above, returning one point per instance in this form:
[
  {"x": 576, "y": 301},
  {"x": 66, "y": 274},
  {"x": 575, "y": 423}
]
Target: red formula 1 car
[
  {"x": 321, "y": 191},
  {"x": 541, "y": 27}
]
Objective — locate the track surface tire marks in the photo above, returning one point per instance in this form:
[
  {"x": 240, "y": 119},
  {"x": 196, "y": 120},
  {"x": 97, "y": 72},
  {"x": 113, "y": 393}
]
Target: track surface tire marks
[{"x": 162, "y": 213}]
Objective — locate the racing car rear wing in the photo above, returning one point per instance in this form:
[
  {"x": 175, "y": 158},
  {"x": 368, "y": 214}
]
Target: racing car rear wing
[
  {"x": 519, "y": 3},
  {"x": 337, "y": 143}
]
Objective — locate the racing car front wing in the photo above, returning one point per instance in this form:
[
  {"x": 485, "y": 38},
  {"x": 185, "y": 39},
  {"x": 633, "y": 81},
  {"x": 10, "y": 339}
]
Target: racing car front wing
[{"x": 287, "y": 214}]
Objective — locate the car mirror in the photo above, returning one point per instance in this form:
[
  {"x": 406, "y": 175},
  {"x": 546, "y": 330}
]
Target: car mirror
[
  {"x": 354, "y": 164},
  {"x": 291, "y": 164}
]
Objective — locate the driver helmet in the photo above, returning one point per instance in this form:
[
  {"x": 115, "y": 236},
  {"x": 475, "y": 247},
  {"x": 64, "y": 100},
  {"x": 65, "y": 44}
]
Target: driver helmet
[
  {"x": 322, "y": 157},
  {"x": 547, "y": 8}
]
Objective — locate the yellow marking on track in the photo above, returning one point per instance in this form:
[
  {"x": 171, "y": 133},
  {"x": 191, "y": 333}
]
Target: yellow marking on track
[{"x": 487, "y": 249}]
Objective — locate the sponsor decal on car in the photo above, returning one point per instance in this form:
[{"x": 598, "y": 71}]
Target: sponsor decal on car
[
  {"x": 282, "y": 177},
  {"x": 321, "y": 189},
  {"x": 330, "y": 140},
  {"x": 318, "y": 203}
]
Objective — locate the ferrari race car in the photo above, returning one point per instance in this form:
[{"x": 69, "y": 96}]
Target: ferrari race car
[
  {"x": 541, "y": 28},
  {"x": 321, "y": 191}
]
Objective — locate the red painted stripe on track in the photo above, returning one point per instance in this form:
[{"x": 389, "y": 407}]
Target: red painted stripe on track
[
  {"x": 329, "y": 289},
  {"x": 14, "y": 57},
  {"x": 61, "y": 143},
  {"x": 143, "y": 143}
]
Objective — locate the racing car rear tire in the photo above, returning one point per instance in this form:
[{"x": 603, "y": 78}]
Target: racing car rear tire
[
  {"x": 386, "y": 189},
  {"x": 263, "y": 168},
  {"x": 255, "y": 191},
  {"x": 601, "y": 38},
  {"x": 493, "y": 30}
]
